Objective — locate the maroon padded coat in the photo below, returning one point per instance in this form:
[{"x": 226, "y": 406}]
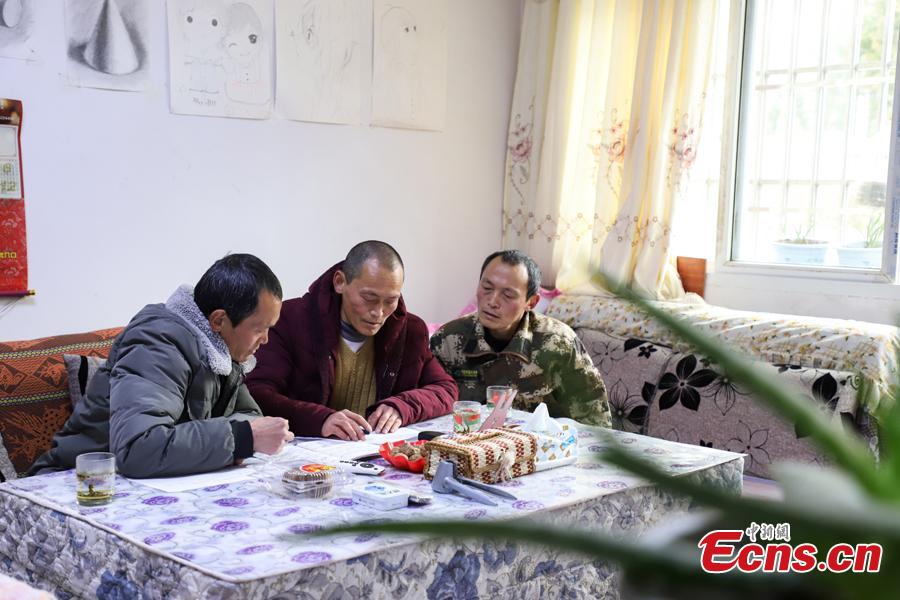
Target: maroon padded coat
[{"x": 294, "y": 374}]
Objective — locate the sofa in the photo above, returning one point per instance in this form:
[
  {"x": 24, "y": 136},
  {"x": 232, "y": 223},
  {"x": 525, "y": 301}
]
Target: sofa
[
  {"x": 658, "y": 386},
  {"x": 34, "y": 393}
]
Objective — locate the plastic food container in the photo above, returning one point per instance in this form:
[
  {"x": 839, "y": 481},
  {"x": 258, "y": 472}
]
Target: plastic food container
[
  {"x": 312, "y": 480},
  {"x": 401, "y": 461}
]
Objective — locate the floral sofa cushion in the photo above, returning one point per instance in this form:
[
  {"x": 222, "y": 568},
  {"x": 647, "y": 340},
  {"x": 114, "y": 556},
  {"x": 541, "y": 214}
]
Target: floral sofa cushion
[
  {"x": 34, "y": 392},
  {"x": 630, "y": 368},
  {"x": 694, "y": 404}
]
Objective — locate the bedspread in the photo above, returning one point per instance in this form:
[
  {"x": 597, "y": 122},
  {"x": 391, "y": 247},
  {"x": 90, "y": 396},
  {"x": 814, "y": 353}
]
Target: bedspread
[
  {"x": 241, "y": 540},
  {"x": 869, "y": 349}
]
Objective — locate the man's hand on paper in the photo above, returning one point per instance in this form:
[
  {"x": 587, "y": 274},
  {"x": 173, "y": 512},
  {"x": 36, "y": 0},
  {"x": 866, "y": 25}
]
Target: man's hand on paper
[
  {"x": 346, "y": 425},
  {"x": 270, "y": 434},
  {"x": 385, "y": 419}
]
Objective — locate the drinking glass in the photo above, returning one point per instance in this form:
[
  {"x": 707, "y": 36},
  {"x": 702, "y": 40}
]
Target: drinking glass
[
  {"x": 495, "y": 393},
  {"x": 466, "y": 416},
  {"x": 96, "y": 475}
]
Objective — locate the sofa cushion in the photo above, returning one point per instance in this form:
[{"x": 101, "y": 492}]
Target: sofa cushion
[
  {"x": 694, "y": 404},
  {"x": 630, "y": 368},
  {"x": 34, "y": 394},
  {"x": 80, "y": 370}
]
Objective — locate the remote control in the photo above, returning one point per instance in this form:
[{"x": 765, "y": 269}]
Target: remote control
[{"x": 361, "y": 468}]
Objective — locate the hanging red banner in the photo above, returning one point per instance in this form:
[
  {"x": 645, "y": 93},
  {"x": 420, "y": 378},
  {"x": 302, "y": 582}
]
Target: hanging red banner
[{"x": 13, "y": 257}]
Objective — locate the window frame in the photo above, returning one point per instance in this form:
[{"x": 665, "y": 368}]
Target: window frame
[{"x": 738, "y": 82}]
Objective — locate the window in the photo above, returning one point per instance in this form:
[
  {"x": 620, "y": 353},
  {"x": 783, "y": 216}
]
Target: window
[{"x": 814, "y": 133}]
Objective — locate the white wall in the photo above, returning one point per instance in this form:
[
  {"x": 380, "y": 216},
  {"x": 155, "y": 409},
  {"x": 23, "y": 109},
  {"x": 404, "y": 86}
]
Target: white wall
[
  {"x": 817, "y": 297},
  {"x": 125, "y": 201}
]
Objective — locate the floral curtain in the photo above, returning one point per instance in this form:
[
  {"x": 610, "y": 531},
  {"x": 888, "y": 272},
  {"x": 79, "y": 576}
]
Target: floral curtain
[{"x": 604, "y": 128}]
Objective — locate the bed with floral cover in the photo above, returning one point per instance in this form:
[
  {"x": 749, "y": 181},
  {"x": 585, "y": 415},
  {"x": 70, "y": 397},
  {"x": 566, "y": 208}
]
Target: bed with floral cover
[{"x": 658, "y": 386}]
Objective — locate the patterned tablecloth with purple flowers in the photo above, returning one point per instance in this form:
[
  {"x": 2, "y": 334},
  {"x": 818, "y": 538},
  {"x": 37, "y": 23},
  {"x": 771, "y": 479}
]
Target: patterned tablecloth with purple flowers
[{"x": 241, "y": 540}]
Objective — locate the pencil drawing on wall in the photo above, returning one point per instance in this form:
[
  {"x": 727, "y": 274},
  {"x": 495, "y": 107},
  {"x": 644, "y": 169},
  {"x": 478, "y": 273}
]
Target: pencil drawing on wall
[
  {"x": 319, "y": 60},
  {"x": 107, "y": 44},
  {"x": 409, "y": 79},
  {"x": 220, "y": 56},
  {"x": 16, "y": 28}
]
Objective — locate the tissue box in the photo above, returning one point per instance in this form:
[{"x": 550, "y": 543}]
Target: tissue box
[
  {"x": 556, "y": 449},
  {"x": 380, "y": 496},
  {"x": 488, "y": 456},
  {"x": 557, "y": 441}
]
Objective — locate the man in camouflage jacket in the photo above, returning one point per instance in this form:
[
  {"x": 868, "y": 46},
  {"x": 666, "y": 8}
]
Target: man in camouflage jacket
[{"x": 506, "y": 343}]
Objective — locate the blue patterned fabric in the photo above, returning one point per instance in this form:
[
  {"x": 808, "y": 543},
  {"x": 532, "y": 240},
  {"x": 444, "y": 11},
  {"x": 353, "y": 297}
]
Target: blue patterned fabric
[{"x": 240, "y": 540}]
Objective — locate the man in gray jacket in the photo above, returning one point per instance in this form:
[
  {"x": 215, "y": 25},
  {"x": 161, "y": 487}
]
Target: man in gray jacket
[{"x": 171, "y": 398}]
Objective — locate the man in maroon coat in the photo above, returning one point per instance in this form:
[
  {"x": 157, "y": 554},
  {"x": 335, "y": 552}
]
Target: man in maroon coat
[{"x": 347, "y": 358}]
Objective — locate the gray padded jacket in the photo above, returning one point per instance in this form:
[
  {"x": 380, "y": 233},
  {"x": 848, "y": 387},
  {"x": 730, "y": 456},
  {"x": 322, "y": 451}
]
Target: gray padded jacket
[{"x": 165, "y": 401}]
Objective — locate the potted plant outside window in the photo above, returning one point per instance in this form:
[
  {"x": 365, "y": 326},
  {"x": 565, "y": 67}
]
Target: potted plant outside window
[
  {"x": 865, "y": 254},
  {"x": 801, "y": 249}
]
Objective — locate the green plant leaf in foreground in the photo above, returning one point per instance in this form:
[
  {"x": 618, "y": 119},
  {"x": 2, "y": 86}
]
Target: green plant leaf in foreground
[
  {"x": 828, "y": 523},
  {"x": 854, "y": 503},
  {"x": 889, "y": 437},
  {"x": 670, "y": 563},
  {"x": 678, "y": 562}
]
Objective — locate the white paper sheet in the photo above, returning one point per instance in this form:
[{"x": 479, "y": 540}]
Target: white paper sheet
[
  {"x": 195, "y": 482},
  {"x": 409, "y": 63},
  {"x": 220, "y": 57},
  {"x": 340, "y": 450},
  {"x": 106, "y": 44},
  {"x": 403, "y": 433},
  {"x": 319, "y": 60},
  {"x": 291, "y": 453},
  {"x": 327, "y": 450},
  {"x": 343, "y": 450},
  {"x": 248, "y": 470},
  {"x": 17, "y": 28}
]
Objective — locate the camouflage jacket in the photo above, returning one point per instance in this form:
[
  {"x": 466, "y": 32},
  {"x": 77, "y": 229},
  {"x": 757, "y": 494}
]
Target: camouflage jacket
[{"x": 544, "y": 360}]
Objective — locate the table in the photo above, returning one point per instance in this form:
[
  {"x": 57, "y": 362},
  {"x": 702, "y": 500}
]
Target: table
[{"x": 240, "y": 540}]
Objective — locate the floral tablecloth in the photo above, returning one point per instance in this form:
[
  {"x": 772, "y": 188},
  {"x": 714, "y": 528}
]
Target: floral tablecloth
[
  {"x": 870, "y": 349},
  {"x": 240, "y": 540}
]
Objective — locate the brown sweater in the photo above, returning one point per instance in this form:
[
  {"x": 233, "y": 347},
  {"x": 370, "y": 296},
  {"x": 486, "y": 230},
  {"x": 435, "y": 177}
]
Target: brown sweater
[{"x": 354, "y": 378}]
